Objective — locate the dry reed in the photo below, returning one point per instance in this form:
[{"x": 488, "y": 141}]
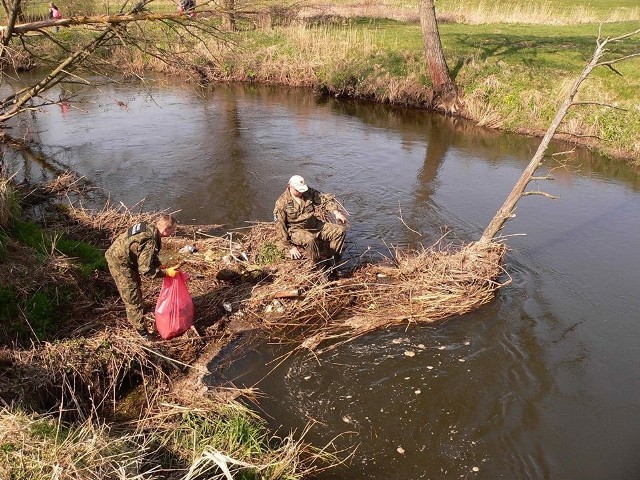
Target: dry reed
[
  {"x": 38, "y": 446},
  {"x": 544, "y": 13},
  {"x": 85, "y": 373},
  {"x": 422, "y": 286},
  {"x": 5, "y": 199}
]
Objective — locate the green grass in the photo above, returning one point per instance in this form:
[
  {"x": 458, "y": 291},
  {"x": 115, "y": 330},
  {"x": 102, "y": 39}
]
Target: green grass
[
  {"x": 37, "y": 309},
  {"x": 37, "y": 313},
  {"x": 3, "y": 246},
  {"x": 89, "y": 257},
  {"x": 513, "y": 75},
  {"x": 269, "y": 253}
]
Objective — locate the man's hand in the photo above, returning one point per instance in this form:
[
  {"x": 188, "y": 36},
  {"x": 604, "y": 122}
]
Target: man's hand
[
  {"x": 171, "y": 271},
  {"x": 295, "y": 253},
  {"x": 340, "y": 217}
]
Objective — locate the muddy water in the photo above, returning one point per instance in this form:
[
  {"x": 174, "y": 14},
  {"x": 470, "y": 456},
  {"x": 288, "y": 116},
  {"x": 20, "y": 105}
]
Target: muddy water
[{"x": 541, "y": 383}]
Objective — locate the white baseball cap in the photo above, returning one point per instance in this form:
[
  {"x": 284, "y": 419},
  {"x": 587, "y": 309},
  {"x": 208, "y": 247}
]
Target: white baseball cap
[{"x": 298, "y": 183}]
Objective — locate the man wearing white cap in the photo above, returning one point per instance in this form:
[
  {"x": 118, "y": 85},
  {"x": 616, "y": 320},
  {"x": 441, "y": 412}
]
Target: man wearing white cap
[{"x": 297, "y": 223}]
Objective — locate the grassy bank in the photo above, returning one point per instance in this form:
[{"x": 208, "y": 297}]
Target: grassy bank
[
  {"x": 513, "y": 61},
  {"x": 171, "y": 442},
  {"x": 513, "y": 77}
]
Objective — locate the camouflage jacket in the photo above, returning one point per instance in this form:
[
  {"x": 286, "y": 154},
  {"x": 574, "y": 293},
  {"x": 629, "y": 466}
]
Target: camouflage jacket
[
  {"x": 290, "y": 215},
  {"x": 138, "y": 248}
]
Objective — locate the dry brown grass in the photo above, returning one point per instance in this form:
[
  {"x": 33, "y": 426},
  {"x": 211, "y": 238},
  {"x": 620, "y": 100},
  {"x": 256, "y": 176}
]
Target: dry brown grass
[
  {"x": 480, "y": 12},
  {"x": 367, "y": 8},
  {"x": 84, "y": 374},
  {"x": 171, "y": 440},
  {"x": 419, "y": 286},
  {"x": 5, "y": 196},
  {"x": 425, "y": 286},
  {"x": 40, "y": 447}
]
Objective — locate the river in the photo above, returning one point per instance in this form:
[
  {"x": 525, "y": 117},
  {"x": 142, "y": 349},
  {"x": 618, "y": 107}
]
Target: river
[{"x": 540, "y": 383}]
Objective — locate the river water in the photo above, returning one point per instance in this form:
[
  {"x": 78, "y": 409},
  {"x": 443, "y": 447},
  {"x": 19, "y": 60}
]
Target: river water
[{"x": 540, "y": 383}]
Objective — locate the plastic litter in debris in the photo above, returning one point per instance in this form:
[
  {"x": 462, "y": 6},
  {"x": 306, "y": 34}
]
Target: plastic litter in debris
[{"x": 188, "y": 249}]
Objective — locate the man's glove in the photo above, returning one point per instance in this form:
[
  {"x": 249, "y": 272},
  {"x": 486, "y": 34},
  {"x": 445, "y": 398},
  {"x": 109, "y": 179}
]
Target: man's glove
[{"x": 171, "y": 271}]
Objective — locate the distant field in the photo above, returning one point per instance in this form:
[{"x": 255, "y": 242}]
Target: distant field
[
  {"x": 483, "y": 11},
  {"x": 558, "y": 12}
]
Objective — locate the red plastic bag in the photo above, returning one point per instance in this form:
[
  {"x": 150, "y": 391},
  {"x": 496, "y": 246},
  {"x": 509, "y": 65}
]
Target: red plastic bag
[{"x": 174, "y": 310}]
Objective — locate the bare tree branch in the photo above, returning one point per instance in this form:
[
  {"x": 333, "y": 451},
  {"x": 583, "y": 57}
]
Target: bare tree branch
[
  {"x": 20, "y": 99},
  {"x": 544, "y": 194},
  {"x": 93, "y": 20},
  {"x": 9, "y": 29},
  {"x": 608, "y": 105}
]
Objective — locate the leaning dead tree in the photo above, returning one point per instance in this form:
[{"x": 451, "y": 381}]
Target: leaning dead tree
[{"x": 519, "y": 189}]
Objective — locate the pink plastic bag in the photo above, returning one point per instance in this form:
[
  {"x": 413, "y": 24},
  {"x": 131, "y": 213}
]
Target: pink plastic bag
[{"x": 174, "y": 310}]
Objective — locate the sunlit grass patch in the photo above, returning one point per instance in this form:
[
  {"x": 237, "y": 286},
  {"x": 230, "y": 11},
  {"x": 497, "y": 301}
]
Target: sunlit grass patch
[
  {"x": 543, "y": 12},
  {"x": 180, "y": 441},
  {"x": 9, "y": 205},
  {"x": 36, "y": 446}
]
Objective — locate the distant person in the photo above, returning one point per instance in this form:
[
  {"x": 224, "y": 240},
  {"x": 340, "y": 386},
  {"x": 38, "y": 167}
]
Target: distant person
[
  {"x": 135, "y": 253},
  {"x": 54, "y": 14},
  {"x": 297, "y": 224},
  {"x": 187, "y": 7}
]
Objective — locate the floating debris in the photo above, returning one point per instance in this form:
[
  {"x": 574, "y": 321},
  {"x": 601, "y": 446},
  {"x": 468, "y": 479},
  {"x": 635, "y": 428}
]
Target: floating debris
[
  {"x": 418, "y": 392},
  {"x": 400, "y": 450},
  {"x": 410, "y": 353}
]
